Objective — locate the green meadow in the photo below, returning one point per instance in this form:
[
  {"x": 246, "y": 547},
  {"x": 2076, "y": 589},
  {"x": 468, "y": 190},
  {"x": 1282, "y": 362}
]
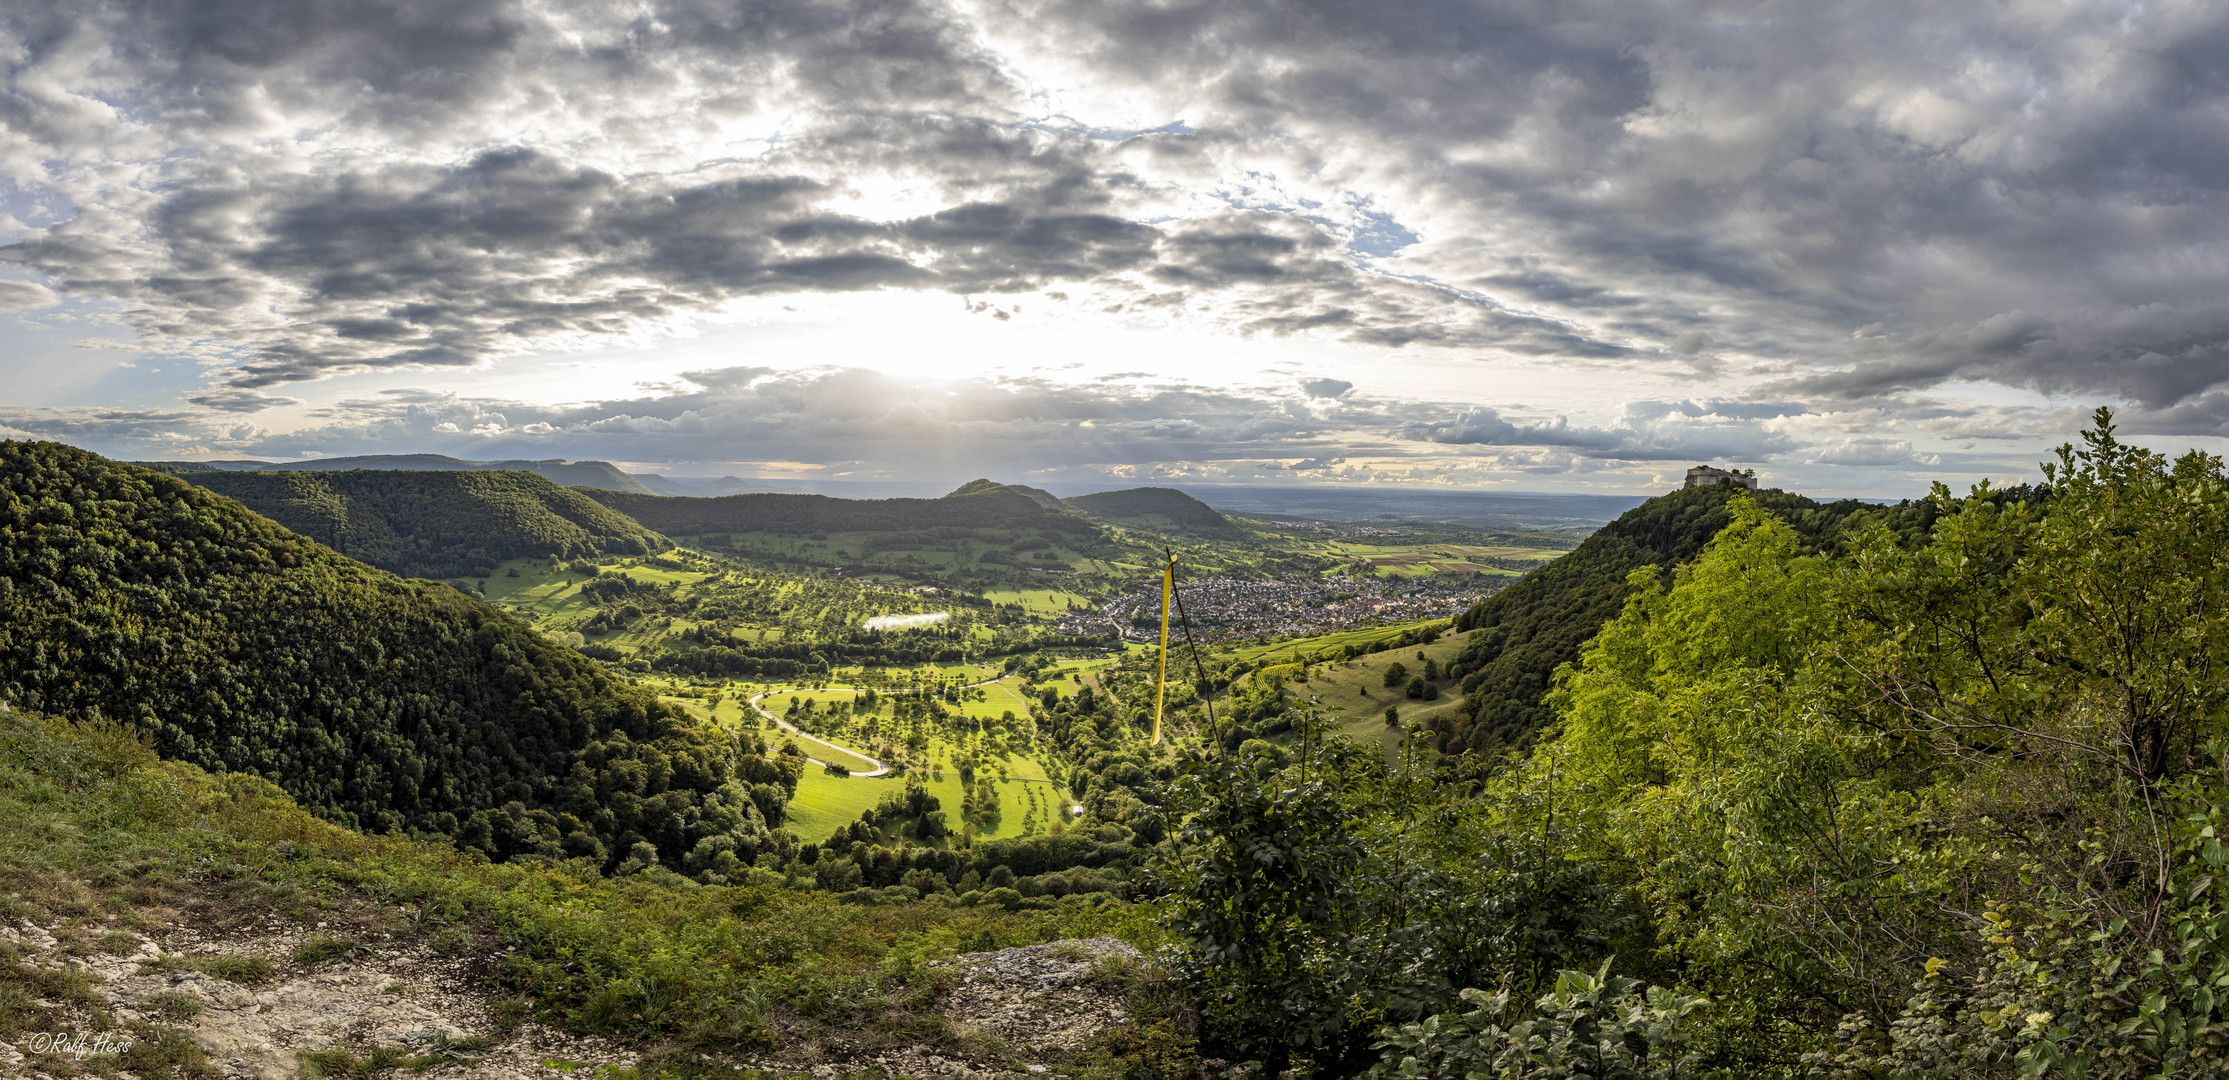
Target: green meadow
[{"x": 1029, "y": 799}]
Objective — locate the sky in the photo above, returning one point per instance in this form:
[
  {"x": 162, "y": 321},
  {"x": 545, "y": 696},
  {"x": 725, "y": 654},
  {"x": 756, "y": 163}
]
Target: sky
[{"x": 1533, "y": 245}]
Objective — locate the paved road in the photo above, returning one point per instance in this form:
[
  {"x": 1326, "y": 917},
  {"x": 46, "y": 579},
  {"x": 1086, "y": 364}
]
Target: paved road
[{"x": 881, "y": 768}]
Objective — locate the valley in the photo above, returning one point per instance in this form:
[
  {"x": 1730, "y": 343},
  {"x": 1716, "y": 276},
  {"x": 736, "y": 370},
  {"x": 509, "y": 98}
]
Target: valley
[{"x": 722, "y": 780}]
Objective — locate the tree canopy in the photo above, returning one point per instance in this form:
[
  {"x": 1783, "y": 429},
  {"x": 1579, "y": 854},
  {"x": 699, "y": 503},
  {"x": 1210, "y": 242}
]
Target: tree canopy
[
  {"x": 436, "y": 524},
  {"x": 375, "y": 701}
]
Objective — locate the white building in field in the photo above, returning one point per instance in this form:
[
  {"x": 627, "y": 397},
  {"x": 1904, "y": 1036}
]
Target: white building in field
[{"x": 1704, "y": 476}]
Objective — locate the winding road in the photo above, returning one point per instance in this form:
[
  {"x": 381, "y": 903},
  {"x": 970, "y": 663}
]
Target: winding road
[{"x": 881, "y": 768}]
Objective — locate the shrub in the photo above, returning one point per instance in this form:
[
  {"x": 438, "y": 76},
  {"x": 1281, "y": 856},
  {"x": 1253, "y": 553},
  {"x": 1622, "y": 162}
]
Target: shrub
[{"x": 1597, "y": 1025}]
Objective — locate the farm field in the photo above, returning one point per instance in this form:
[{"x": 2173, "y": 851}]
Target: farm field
[
  {"x": 1037, "y": 601},
  {"x": 1431, "y": 559}
]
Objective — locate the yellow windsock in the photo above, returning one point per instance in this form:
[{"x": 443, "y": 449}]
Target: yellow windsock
[{"x": 1161, "y": 685}]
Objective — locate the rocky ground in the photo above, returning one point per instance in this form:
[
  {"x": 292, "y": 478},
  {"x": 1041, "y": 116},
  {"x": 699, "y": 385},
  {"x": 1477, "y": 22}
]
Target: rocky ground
[
  {"x": 1004, "y": 1008},
  {"x": 404, "y": 998}
]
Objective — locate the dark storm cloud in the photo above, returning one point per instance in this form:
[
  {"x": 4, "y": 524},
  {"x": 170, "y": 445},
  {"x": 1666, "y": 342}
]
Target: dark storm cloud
[
  {"x": 2021, "y": 195},
  {"x": 1853, "y": 201}
]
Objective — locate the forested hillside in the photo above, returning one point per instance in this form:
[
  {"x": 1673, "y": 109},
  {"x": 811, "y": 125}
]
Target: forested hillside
[
  {"x": 436, "y": 524},
  {"x": 1043, "y": 497},
  {"x": 996, "y": 507},
  {"x": 1939, "y": 803},
  {"x": 375, "y": 701},
  {"x": 1529, "y": 628},
  {"x": 1159, "y": 509},
  {"x": 585, "y": 474}
]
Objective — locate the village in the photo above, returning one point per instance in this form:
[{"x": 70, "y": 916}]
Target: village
[{"x": 1222, "y": 609}]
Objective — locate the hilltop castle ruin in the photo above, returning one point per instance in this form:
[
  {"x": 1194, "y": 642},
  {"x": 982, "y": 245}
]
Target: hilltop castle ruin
[{"x": 1704, "y": 475}]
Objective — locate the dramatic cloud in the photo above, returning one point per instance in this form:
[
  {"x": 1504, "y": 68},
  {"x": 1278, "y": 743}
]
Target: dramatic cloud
[
  {"x": 1816, "y": 216},
  {"x": 862, "y": 423},
  {"x": 1648, "y": 434}
]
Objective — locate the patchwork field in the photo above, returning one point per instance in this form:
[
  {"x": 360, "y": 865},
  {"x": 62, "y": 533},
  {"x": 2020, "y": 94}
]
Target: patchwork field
[{"x": 1431, "y": 559}]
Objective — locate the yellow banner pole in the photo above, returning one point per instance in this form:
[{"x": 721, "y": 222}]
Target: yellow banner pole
[{"x": 1161, "y": 685}]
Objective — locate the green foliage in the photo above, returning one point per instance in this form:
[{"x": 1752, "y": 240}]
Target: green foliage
[
  {"x": 1822, "y": 772},
  {"x": 1317, "y": 902},
  {"x": 1591, "y": 1025},
  {"x": 1261, "y": 877},
  {"x": 436, "y": 524},
  {"x": 379, "y": 702},
  {"x": 326, "y": 948},
  {"x": 1522, "y": 633},
  {"x": 1162, "y": 510}
]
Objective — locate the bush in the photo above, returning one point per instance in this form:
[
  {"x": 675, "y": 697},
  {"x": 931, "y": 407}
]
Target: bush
[{"x": 1596, "y": 1025}]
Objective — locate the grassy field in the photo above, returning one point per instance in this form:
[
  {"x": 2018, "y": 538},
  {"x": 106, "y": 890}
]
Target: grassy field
[
  {"x": 1277, "y": 650},
  {"x": 825, "y": 803},
  {"x": 1353, "y": 694},
  {"x": 1037, "y": 601},
  {"x": 1062, "y": 674},
  {"x": 1427, "y": 559}
]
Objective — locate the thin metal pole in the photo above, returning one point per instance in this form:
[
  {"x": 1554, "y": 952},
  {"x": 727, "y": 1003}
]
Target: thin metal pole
[{"x": 1207, "y": 688}]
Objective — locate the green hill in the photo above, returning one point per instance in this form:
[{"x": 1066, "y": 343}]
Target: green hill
[
  {"x": 375, "y": 701},
  {"x": 1043, "y": 498},
  {"x": 993, "y": 507},
  {"x": 436, "y": 524},
  {"x": 1527, "y": 629},
  {"x": 1157, "y": 509},
  {"x": 583, "y": 474}
]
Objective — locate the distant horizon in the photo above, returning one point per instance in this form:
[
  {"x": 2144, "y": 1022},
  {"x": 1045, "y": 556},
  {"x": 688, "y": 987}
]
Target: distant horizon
[{"x": 1059, "y": 488}]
